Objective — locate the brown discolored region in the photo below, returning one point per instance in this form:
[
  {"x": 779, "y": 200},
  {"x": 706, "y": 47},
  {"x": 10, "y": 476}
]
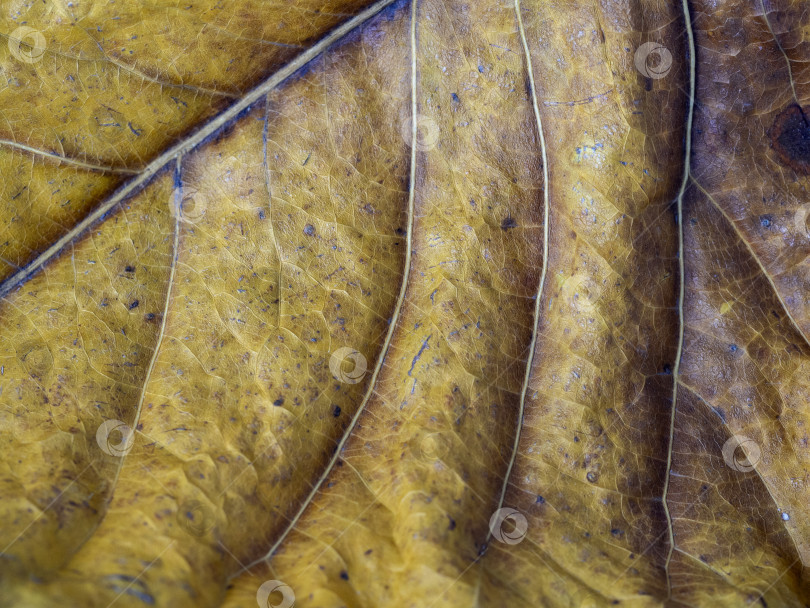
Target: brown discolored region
[{"x": 790, "y": 138}]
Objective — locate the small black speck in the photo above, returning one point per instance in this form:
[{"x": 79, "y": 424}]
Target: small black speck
[
  {"x": 309, "y": 229},
  {"x": 336, "y": 411},
  {"x": 262, "y": 215},
  {"x": 452, "y": 525},
  {"x": 400, "y": 232},
  {"x": 344, "y": 575},
  {"x": 592, "y": 477},
  {"x": 134, "y": 304},
  {"x": 279, "y": 401},
  {"x": 540, "y": 500},
  {"x": 149, "y": 316},
  {"x": 617, "y": 532},
  {"x": 455, "y": 97},
  {"x": 733, "y": 348},
  {"x": 765, "y": 221},
  {"x": 667, "y": 370},
  {"x": 129, "y": 269}
]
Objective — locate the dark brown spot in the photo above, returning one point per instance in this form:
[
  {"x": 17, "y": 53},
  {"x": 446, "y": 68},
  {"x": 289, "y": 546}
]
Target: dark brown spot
[
  {"x": 508, "y": 222},
  {"x": 790, "y": 138}
]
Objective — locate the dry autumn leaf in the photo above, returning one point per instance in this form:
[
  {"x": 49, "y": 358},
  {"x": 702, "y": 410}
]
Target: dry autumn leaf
[{"x": 407, "y": 303}]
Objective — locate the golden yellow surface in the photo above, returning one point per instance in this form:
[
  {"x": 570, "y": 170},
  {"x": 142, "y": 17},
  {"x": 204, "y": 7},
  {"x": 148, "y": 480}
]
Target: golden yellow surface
[
  {"x": 108, "y": 85},
  {"x": 297, "y": 297}
]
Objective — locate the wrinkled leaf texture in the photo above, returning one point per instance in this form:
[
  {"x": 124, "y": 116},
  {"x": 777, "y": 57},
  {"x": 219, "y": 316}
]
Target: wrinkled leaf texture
[{"x": 569, "y": 284}]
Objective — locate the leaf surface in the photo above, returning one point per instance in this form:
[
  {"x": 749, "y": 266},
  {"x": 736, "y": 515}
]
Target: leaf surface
[{"x": 408, "y": 303}]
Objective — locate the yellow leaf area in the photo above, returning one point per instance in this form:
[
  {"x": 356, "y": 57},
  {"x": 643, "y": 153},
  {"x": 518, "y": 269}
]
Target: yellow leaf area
[{"x": 414, "y": 303}]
